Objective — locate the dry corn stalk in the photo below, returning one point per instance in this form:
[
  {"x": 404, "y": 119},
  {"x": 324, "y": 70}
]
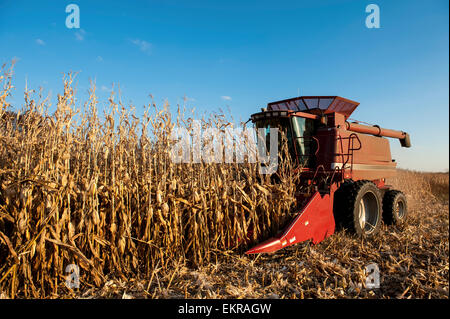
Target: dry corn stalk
[{"x": 104, "y": 194}]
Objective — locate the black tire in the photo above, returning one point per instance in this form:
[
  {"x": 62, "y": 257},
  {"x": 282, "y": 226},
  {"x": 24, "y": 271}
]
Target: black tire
[
  {"x": 395, "y": 209},
  {"x": 353, "y": 198}
]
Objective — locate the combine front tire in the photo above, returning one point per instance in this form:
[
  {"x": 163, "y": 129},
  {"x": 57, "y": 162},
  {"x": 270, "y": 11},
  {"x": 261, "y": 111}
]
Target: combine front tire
[
  {"x": 358, "y": 207},
  {"x": 394, "y": 207}
]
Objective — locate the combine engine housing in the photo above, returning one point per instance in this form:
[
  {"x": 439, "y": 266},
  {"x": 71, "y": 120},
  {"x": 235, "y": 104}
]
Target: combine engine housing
[{"x": 358, "y": 155}]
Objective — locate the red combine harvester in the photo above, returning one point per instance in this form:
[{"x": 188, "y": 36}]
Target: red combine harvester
[{"x": 343, "y": 170}]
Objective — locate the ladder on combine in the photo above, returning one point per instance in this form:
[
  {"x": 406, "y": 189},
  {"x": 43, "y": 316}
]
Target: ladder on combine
[{"x": 347, "y": 157}]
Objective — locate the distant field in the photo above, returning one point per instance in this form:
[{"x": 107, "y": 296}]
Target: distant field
[{"x": 101, "y": 192}]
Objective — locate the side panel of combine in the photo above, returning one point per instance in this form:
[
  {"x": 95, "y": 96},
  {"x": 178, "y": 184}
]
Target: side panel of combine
[
  {"x": 375, "y": 162},
  {"x": 363, "y": 156}
]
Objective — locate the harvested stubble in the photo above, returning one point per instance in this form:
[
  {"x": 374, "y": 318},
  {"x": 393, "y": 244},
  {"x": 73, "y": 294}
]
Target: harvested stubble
[{"x": 104, "y": 195}]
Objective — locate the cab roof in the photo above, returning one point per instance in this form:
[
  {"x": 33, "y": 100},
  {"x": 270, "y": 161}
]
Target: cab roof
[{"x": 328, "y": 104}]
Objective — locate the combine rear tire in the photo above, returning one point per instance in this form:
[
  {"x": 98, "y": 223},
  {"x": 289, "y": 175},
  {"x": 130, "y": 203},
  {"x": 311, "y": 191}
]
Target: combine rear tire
[
  {"x": 357, "y": 207},
  {"x": 394, "y": 207}
]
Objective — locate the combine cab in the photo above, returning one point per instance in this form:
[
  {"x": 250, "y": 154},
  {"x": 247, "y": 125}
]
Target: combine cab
[{"x": 343, "y": 169}]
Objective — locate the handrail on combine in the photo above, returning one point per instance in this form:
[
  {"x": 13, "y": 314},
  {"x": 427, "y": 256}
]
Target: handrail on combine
[
  {"x": 317, "y": 170},
  {"x": 350, "y": 149},
  {"x": 334, "y": 173}
]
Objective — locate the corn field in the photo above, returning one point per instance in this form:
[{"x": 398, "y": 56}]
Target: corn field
[
  {"x": 100, "y": 191},
  {"x": 96, "y": 187}
]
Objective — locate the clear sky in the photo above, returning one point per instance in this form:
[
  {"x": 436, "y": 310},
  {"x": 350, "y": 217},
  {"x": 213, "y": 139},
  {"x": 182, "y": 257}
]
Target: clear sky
[{"x": 239, "y": 55}]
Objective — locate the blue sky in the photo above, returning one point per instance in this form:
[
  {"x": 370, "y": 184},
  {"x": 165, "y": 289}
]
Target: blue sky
[{"x": 239, "y": 55}]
